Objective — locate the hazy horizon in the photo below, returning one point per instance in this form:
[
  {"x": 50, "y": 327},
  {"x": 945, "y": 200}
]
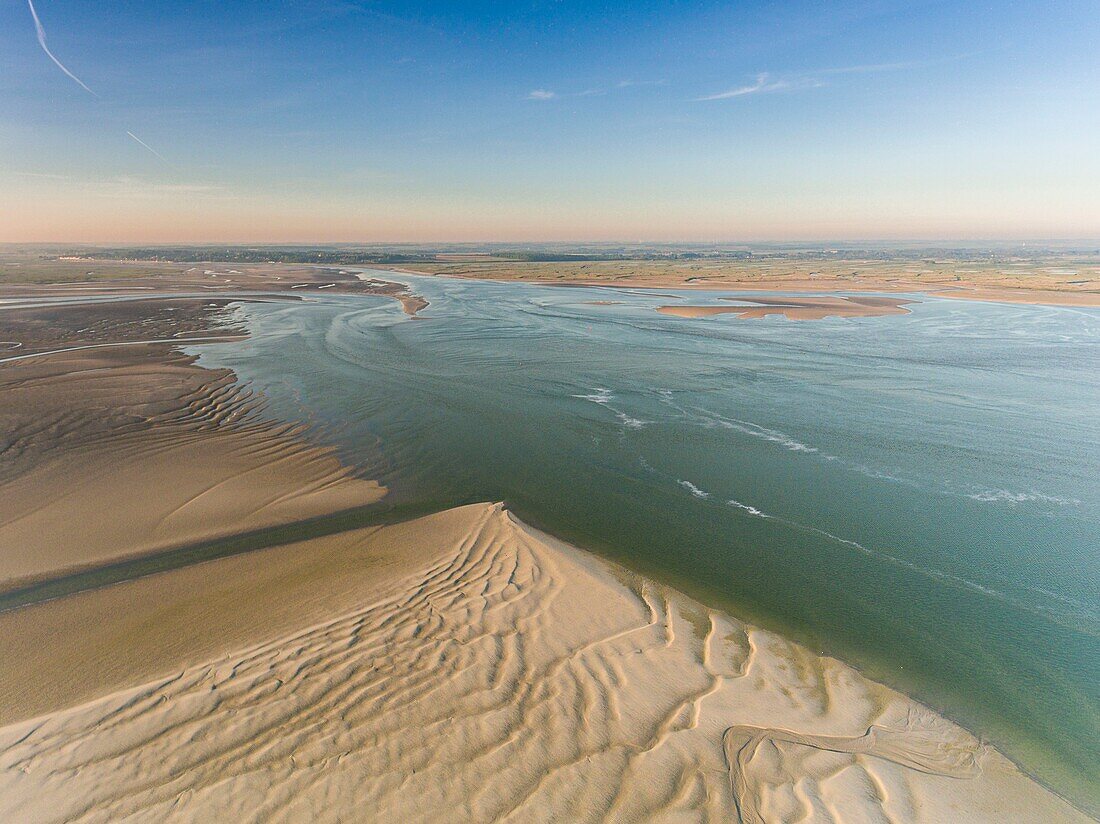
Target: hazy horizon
[
  {"x": 332, "y": 121},
  {"x": 887, "y": 244}
]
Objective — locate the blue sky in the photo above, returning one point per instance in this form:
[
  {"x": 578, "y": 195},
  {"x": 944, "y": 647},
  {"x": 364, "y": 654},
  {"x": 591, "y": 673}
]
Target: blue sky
[{"x": 341, "y": 120}]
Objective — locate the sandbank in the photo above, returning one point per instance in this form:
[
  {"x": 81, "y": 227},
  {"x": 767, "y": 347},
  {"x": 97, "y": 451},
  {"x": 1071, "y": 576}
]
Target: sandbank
[
  {"x": 460, "y": 667},
  {"x": 113, "y": 453},
  {"x": 814, "y": 308},
  {"x": 1004, "y": 280}
]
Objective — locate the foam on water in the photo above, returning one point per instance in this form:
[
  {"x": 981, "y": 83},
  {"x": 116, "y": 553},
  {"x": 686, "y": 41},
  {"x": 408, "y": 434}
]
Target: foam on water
[
  {"x": 752, "y": 510},
  {"x": 1010, "y": 497},
  {"x": 602, "y": 396},
  {"x": 693, "y": 489}
]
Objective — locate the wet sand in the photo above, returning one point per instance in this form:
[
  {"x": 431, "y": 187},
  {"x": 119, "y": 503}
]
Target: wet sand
[
  {"x": 113, "y": 452},
  {"x": 796, "y": 308},
  {"x": 151, "y": 490},
  {"x": 1034, "y": 281},
  {"x": 159, "y": 279}
]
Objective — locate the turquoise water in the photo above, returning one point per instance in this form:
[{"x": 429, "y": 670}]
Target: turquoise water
[{"x": 918, "y": 495}]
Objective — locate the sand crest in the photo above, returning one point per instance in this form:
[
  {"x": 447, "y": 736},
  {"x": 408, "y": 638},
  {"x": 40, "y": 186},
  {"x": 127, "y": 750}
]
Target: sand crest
[{"x": 462, "y": 667}]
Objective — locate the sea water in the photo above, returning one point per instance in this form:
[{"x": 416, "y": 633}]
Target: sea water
[{"x": 918, "y": 495}]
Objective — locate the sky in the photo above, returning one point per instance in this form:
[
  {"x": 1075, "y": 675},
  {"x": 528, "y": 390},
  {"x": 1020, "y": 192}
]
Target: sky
[{"x": 349, "y": 120}]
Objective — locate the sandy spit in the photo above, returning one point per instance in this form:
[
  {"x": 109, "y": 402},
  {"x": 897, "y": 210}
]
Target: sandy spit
[{"x": 460, "y": 667}]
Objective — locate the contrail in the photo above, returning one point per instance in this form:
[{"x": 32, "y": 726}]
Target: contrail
[
  {"x": 147, "y": 146},
  {"x": 42, "y": 42}
]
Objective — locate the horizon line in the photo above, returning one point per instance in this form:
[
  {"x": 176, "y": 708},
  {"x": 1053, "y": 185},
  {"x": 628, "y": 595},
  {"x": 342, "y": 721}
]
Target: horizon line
[{"x": 900, "y": 239}]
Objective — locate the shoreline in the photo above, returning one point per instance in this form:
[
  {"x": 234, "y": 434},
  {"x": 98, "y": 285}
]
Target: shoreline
[
  {"x": 700, "y": 686},
  {"x": 794, "y": 308},
  {"x": 219, "y": 416},
  {"x": 1032, "y": 296}
]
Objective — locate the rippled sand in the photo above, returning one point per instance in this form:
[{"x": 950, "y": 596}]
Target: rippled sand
[
  {"x": 124, "y": 452},
  {"x": 460, "y": 667}
]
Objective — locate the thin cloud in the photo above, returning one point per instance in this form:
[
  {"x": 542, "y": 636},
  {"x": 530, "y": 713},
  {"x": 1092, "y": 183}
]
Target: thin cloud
[
  {"x": 133, "y": 188},
  {"x": 41, "y": 32},
  {"x": 547, "y": 94},
  {"x": 189, "y": 188},
  {"x": 147, "y": 146},
  {"x": 42, "y": 175},
  {"x": 764, "y": 84},
  {"x": 626, "y": 84},
  {"x": 901, "y": 65},
  {"x": 871, "y": 68}
]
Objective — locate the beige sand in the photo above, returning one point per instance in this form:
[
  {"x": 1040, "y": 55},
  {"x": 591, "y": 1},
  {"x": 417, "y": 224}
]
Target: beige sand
[
  {"x": 1033, "y": 297},
  {"x": 1057, "y": 281},
  {"x": 814, "y": 308},
  {"x": 461, "y": 667},
  {"x": 114, "y": 453}
]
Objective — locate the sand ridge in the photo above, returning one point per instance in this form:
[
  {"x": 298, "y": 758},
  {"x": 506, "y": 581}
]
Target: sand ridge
[
  {"x": 495, "y": 674},
  {"x": 1045, "y": 280},
  {"x": 109, "y": 454},
  {"x": 796, "y": 308}
]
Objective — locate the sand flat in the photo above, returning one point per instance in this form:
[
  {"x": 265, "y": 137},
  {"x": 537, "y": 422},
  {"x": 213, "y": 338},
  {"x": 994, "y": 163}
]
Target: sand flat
[
  {"x": 462, "y": 667},
  {"x": 171, "y": 489},
  {"x": 1005, "y": 280},
  {"x": 112, "y": 454},
  {"x": 796, "y": 308}
]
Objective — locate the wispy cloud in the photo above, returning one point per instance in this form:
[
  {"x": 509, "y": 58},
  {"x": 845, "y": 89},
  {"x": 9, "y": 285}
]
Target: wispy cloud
[
  {"x": 595, "y": 91},
  {"x": 189, "y": 188},
  {"x": 128, "y": 187},
  {"x": 764, "y": 84},
  {"x": 871, "y": 68},
  {"x": 41, "y": 32},
  {"x": 901, "y": 65},
  {"x": 626, "y": 84},
  {"x": 42, "y": 175},
  {"x": 141, "y": 142}
]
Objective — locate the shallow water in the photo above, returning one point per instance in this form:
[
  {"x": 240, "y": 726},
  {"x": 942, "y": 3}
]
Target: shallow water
[{"x": 918, "y": 494}]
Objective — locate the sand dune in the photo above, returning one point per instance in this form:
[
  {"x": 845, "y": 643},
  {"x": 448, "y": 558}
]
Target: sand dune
[
  {"x": 461, "y": 667},
  {"x": 115, "y": 453}
]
